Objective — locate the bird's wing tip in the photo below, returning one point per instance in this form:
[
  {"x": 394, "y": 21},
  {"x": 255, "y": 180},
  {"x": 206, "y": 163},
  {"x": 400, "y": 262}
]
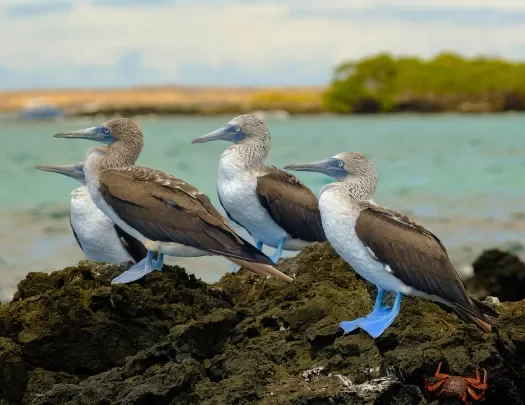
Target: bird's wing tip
[{"x": 264, "y": 270}]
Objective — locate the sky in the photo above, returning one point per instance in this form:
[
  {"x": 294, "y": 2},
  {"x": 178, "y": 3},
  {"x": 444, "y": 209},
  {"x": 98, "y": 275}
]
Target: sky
[{"x": 114, "y": 43}]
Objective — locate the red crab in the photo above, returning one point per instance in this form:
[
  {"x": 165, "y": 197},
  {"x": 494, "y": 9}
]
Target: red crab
[{"x": 455, "y": 386}]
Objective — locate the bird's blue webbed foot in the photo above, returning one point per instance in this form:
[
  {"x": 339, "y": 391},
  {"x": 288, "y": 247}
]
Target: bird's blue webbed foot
[
  {"x": 376, "y": 322},
  {"x": 279, "y": 252},
  {"x": 137, "y": 271},
  {"x": 157, "y": 264}
]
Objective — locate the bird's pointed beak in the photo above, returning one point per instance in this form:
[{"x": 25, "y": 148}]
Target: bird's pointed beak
[
  {"x": 332, "y": 167},
  {"x": 218, "y": 134},
  {"x": 87, "y": 133},
  {"x": 98, "y": 134},
  {"x": 321, "y": 166},
  {"x": 75, "y": 171},
  {"x": 227, "y": 133}
]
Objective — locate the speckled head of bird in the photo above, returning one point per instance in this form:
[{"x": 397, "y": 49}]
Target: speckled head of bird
[
  {"x": 340, "y": 166},
  {"x": 246, "y": 128},
  {"x": 122, "y": 131}
]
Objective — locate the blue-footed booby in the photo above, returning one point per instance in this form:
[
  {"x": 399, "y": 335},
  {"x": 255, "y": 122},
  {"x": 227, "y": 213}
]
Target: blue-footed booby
[
  {"x": 385, "y": 247},
  {"x": 98, "y": 237},
  {"x": 166, "y": 214},
  {"x": 273, "y": 206}
]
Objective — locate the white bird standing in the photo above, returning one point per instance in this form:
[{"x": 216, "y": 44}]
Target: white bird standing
[
  {"x": 385, "y": 247},
  {"x": 98, "y": 237},
  {"x": 273, "y": 206},
  {"x": 166, "y": 214}
]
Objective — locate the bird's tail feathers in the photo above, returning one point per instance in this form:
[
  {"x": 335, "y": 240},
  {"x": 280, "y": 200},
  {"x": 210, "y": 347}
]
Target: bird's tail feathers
[
  {"x": 264, "y": 270},
  {"x": 484, "y": 308},
  {"x": 468, "y": 317},
  {"x": 478, "y": 313}
]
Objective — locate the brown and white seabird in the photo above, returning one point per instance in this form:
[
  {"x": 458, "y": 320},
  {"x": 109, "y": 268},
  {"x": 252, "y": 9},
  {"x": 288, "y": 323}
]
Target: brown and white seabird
[
  {"x": 166, "y": 214},
  {"x": 273, "y": 206},
  {"x": 385, "y": 247},
  {"x": 98, "y": 237}
]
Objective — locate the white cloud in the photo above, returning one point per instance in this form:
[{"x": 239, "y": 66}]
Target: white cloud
[
  {"x": 502, "y": 5},
  {"x": 255, "y": 37}
]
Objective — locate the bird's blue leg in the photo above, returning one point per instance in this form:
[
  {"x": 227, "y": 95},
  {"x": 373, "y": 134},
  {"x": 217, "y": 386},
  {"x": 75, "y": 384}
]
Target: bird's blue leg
[
  {"x": 157, "y": 264},
  {"x": 136, "y": 271},
  {"x": 279, "y": 252},
  {"x": 378, "y": 306},
  {"x": 259, "y": 245},
  {"x": 377, "y": 321}
]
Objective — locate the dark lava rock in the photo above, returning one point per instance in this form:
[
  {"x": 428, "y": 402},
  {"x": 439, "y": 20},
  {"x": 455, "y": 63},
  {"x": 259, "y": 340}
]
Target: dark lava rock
[
  {"x": 76, "y": 322},
  {"x": 72, "y": 338},
  {"x": 498, "y": 274},
  {"x": 13, "y": 372}
]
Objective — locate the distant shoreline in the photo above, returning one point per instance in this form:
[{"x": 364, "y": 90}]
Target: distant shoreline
[
  {"x": 170, "y": 100},
  {"x": 209, "y": 101}
]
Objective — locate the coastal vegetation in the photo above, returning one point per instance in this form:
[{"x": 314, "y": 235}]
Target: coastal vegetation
[{"x": 447, "y": 82}]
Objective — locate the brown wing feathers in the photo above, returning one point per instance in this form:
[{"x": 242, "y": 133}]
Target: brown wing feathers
[
  {"x": 292, "y": 205},
  {"x": 418, "y": 259},
  {"x": 167, "y": 209}
]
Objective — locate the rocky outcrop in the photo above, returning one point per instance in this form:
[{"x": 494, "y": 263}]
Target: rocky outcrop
[
  {"x": 498, "y": 274},
  {"x": 72, "y": 338}
]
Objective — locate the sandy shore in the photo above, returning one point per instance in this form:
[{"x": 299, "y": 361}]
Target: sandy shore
[{"x": 168, "y": 100}]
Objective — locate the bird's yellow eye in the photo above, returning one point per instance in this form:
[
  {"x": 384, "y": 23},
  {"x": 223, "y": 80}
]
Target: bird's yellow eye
[
  {"x": 238, "y": 129},
  {"x": 340, "y": 164}
]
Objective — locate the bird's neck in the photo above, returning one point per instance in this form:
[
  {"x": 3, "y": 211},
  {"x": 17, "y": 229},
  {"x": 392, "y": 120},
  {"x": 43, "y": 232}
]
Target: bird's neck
[
  {"x": 80, "y": 192},
  {"x": 114, "y": 156},
  {"x": 122, "y": 154},
  {"x": 246, "y": 156},
  {"x": 118, "y": 154},
  {"x": 359, "y": 188},
  {"x": 92, "y": 166}
]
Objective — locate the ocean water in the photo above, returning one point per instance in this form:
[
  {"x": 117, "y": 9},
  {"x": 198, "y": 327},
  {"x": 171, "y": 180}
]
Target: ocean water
[{"x": 462, "y": 176}]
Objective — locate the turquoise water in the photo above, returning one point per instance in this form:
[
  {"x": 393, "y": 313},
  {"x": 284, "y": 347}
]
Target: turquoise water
[
  {"x": 462, "y": 176},
  {"x": 445, "y": 158}
]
